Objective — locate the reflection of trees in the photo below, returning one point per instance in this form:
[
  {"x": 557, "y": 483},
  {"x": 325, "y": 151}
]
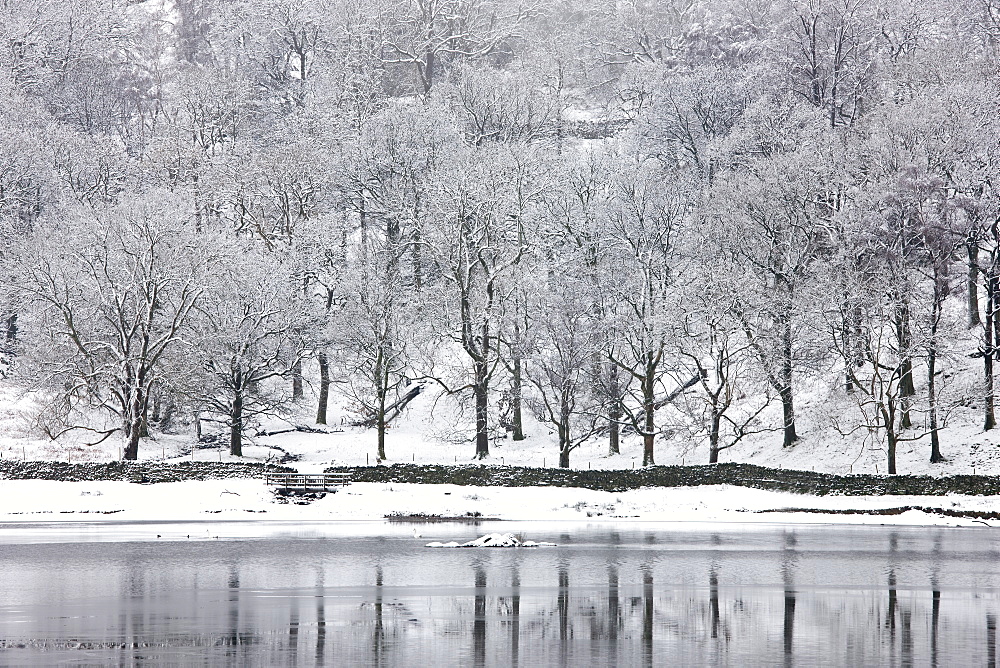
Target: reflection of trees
[
  {"x": 890, "y": 620},
  {"x": 135, "y": 590},
  {"x": 320, "y": 619},
  {"x": 991, "y": 640},
  {"x": 562, "y": 603},
  {"x": 479, "y": 619},
  {"x": 907, "y": 637},
  {"x": 713, "y": 599},
  {"x": 233, "y": 598},
  {"x": 787, "y": 576},
  {"x": 293, "y": 629},
  {"x": 935, "y": 598},
  {"x": 515, "y": 617},
  {"x": 935, "y": 619},
  {"x": 577, "y": 606},
  {"x": 378, "y": 637},
  {"x": 647, "y": 616},
  {"x": 614, "y": 606}
]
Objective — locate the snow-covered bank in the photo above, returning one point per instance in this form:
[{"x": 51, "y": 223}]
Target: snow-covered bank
[{"x": 32, "y": 501}]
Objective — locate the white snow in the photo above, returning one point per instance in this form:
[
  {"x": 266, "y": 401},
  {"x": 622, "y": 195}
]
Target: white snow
[
  {"x": 491, "y": 540},
  {"x": 32, "y": 501},
  {"x": 435, "y": 431}
]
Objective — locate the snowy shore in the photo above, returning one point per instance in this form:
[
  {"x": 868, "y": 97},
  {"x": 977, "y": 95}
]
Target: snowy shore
[{"x": 34, "y": 501}]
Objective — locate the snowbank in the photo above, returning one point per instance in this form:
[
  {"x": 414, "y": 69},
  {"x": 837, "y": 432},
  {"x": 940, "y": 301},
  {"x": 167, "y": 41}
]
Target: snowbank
[{"x": 32, "y": 501}]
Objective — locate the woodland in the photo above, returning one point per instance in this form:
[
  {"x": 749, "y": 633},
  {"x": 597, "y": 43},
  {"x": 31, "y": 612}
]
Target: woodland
[{"x": 632, "y": 220}]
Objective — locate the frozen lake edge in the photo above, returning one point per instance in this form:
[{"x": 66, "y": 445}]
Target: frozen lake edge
[{"x": 114, "y": 502}]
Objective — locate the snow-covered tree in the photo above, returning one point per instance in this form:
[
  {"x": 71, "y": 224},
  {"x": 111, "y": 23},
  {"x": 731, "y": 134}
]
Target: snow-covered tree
[{"x": 111, "y": 291}]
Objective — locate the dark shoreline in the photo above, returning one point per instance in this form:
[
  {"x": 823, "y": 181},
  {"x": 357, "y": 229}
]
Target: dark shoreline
[
  {"x": 137, "y": 472},
  {"x": 744, "y": 475}
]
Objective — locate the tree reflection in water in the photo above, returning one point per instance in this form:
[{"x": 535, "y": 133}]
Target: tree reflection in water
[
  {"x": 378, "y": 636},
  {"x": 320, "y": 620},
  {"x": 562, "y": 604},
  {"x": 991, "y": 640},
  {"x": 479, "y": 619},
  {"x": 793, "y": 597},
  {"x": 787, "y": 577},
  {"x": 515, "y": 617},
  {"x": 647, "y": 616}
]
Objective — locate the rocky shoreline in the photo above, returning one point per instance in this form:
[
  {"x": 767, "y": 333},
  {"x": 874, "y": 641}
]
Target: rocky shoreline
[
  {"x": 488, "y": 475},
  {"x": 137, "y": 472},
  {"x": 743, "y": 475}
]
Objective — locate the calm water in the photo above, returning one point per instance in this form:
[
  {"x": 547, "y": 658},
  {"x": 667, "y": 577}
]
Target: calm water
[{"x": 269, "y": 594}]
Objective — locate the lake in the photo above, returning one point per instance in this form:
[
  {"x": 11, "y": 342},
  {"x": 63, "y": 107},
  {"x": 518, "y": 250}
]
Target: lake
[{"x": 370, "y": 594}]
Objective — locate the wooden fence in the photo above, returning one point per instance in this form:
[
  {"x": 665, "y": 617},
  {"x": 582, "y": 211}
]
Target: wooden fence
[{"x": 308, "y": 482}]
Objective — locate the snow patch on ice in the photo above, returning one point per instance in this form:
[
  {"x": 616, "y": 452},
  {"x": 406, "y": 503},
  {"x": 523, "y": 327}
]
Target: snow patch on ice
[{"x": 493, "y": 540}]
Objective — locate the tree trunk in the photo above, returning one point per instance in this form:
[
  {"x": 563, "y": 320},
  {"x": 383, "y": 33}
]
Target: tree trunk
[
  {"x": 988, "y": 396},
  {"x": 236, "y": 426},
  {"x": 891, "y": 439},
  {"x": 564, "y": 434},
  {"x": 428, "y": 79},
  {"x": 416, "y": 256},
  {"x": 167, "y": 419},
  {"x": 324, "y": 388},
  {"x": 903, "y": 338},
  {"x": 649, "y": 410},
  {"x": 788, "y": 414},
  {"x": 614, "y": 411},
  {"x": 132, "y": 444},
  {"x": 713, "y": 437},
  {"x": 936, "y": 456},
  {"x": 297, "y": 392},
  {"x": 11, "y": 328},
  {"x": 995, "y": 292},
  {"x": 517, "y": 384},
  {"x": 481, "y": 391},
  {"x": 380, "y": 426},
  {"x": 785, "y": 391},
  {"x": 846, "y": 345},
  {"x": 133, "y": 425},
  {"x": 888, "y": 412},
  {"x": 853, "y": 342},
  {"x": 972, "y": 285}
]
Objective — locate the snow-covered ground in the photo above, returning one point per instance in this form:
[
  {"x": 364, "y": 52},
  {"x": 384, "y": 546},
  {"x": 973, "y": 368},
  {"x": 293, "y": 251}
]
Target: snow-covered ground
[
  {"x": 433, "y": 430},
  {"x": 31, "y": 501}
]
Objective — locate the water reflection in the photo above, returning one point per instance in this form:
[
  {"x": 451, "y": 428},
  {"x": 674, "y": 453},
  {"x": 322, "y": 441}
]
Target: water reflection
[
  {"x": 991, "y": 640},
  {"x": 792, "y": 597},
  {"x": 378, "y": 636},
  {"x": 479, "y": 619}
]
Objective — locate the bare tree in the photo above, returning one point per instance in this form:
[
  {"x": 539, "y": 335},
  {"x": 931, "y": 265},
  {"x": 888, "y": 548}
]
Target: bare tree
[
  {"x": 428, "y": 34},
  {"x": 559, "y": 368},
  {"x": 645, "y": 216},
  {"x": 776, "y": 229},
  {"x": 247, "y": 332},
  {"x": 113, "y": 298},
  {"x": 716, "y": 361},
  {"x": 832, "y": 46},
  {"x": 370, "y": 340},
  {"x": 481, "y": 238}
]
